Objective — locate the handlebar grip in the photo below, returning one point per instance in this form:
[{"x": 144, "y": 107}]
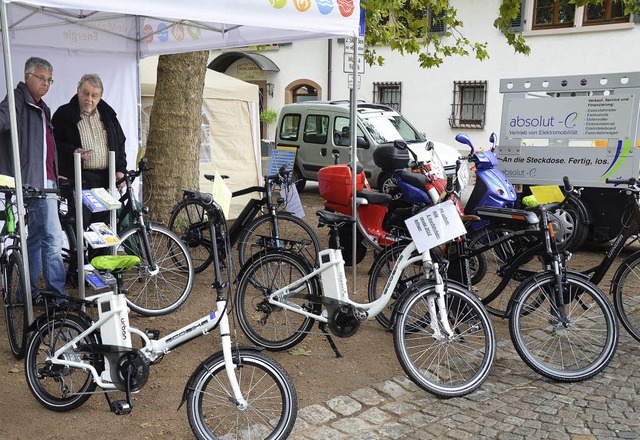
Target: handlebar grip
[
  {"x": 449, "y": 187},
  {"x": 630, "y": 181},
  {"x": 205, "y": 198},
  {"x": 568, "y": 187}
]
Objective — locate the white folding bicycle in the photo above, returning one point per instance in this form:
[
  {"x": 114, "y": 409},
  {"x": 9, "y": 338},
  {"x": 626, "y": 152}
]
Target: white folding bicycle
[{"x": 235, "y": 393}]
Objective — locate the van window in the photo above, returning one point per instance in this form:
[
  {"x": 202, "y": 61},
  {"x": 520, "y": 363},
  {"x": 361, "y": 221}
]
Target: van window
[
  {"x": 341, "y": 132},
  {"x": 384, "y": 129},
  {"x": 289, "y": 127},
  {"x": 316, "y": 128}
]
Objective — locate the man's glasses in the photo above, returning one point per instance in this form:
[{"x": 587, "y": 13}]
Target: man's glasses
[{"x": 42, "y": 78}]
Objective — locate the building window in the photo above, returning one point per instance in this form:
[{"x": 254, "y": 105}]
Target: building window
[
  {"x": 469, "y": 104},
  {"x": 388, "y": 93},
  {"x": 553, "y": 14},
  {"x": 305, "y": 93},
  {"x": 609, "y": 11}
]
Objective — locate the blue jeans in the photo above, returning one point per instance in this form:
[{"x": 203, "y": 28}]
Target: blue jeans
[{"x": 44, "y": 244}]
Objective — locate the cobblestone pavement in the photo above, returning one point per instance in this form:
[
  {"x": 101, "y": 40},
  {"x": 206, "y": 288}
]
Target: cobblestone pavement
[{"x": 514, "y": 403}]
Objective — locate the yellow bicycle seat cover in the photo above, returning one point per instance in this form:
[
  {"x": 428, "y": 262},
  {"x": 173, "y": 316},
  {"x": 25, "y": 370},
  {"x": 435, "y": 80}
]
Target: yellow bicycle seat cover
[{"x": 115, "y": 262}]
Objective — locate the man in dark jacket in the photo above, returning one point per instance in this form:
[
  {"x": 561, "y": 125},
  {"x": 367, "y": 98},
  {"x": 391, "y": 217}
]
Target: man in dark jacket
[
  {"x": 89, "y": 126},
  {"x": 38, "y": 165}
]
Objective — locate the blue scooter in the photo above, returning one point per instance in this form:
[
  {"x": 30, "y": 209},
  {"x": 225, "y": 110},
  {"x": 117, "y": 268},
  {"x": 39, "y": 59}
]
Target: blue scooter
[{"x": 570, "y": 220}]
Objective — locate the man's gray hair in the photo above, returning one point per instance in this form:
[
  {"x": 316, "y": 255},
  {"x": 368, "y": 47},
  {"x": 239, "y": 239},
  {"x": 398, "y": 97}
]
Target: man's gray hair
[
  {"x": 93, "y": 79},
  {"x": 34, "y": 62}
]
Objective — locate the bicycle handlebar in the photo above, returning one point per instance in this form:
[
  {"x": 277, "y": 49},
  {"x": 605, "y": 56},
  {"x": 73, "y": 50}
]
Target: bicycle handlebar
[
  {"x": 30, "y": 192},
  {"x": 631, "y": 181}
]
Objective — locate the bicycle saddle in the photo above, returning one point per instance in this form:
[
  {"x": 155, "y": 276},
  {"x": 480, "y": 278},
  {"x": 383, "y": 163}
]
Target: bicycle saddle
[{"x": 115, "y": 262}]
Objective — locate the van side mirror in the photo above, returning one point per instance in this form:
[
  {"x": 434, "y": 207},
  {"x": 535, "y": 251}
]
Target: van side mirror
[{"x": 362, "y": 142}]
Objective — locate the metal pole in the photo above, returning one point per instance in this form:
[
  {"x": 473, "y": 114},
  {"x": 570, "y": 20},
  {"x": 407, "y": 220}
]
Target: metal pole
[
  {"x": 77, "y": 166},
  {"x": 17, "y": 172},
  {"x": 113, "y": 191},
  {"x": 354, "y": 155}
]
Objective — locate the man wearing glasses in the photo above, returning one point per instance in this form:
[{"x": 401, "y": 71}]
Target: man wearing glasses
[{"x": 39, "y": 168}]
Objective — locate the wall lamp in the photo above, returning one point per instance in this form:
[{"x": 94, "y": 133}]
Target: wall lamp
[{"x": 269, "y": 87}]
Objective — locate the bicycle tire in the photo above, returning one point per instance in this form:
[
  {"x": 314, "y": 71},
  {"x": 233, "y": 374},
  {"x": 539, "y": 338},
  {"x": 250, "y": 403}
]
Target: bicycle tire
[
  {"x": 156, "y": 293},
  {"x": 69, "y": 257},
  {"x": 61, "y": 388},
  {"x": 380, "y": 274},
  {"x": 189, "y": 220},
  {"x": 15, "y": 307},
  {"x": 446, "y": 366},
  {"x": 268, "y": 325},
  {"x": 566, "y": 353},
  {"x": 296, "y": 234},
  {"x": 493, "y": 259},
  {"x": 269, "y": 391},
  {"x": 625, "y": 291}
]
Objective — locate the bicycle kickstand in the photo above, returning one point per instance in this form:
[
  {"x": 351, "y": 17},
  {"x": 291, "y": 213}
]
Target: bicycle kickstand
[{"x": 323, "y": 329}]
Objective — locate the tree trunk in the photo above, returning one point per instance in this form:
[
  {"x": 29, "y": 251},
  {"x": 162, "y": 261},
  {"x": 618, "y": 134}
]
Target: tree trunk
[{"x": 173, "y": 144}]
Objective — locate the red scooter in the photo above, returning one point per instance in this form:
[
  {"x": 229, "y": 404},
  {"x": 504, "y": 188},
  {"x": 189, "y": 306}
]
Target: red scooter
[{"x": 379, "y": 217}]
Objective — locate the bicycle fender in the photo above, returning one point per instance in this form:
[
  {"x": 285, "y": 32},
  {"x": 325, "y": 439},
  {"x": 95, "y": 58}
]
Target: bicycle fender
[
  {"x": 38, "y": 321},
  {"x": 213, "y": 358},
  {"x": 261, "y": 253}
]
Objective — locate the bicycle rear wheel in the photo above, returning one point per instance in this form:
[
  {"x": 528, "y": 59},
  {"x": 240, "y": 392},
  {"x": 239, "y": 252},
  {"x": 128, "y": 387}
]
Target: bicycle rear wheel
[
  {"x": 294, "y": 234},
  {"x": 269, "y": 391},
  {"x": 156, "y": 292},
  {"x": 266, "y": 324},
  {"x": 444, "y": 365},
  {"x": 381, "y": 273},
  {"x": 190, "y": 221},
  {"x": 625, "y": 289},
  {"x": 570, "y": 351},
  {"x": 15, "y": 309},
  {"x": 58, "y": 387}
]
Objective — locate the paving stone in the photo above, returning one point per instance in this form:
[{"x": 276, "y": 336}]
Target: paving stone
[{"x": 344, "y": 405}]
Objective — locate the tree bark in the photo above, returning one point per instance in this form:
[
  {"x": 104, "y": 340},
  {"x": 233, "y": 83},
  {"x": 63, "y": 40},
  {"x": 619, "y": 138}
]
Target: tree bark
[{"x": 173, "y": 144}]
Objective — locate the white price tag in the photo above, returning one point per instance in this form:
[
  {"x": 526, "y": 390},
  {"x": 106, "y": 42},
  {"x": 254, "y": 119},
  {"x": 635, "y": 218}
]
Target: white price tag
[{"x": 435, "y": 225}]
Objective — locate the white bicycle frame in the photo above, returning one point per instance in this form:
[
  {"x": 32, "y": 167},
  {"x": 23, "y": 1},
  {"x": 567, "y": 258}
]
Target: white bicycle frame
[
  {"x": 335, "y": 287},
  {"x": 153, "y": 349}
]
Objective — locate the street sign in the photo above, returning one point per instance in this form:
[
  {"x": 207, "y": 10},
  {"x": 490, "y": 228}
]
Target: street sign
[
  {"x": 349, "y": 61},
  {"x": 350, "y": 82},
  {"x": 349, "y": 44}
]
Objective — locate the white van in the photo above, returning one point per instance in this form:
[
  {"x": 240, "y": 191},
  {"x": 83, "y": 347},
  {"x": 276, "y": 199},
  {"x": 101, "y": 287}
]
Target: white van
[{"x": 318, "y": 129}]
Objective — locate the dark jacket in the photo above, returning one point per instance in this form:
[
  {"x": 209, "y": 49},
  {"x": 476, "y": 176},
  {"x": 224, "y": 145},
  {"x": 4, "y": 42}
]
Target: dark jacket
[
  {"x": 65, "y": 129},
  {"x": 31, "y": 138}
]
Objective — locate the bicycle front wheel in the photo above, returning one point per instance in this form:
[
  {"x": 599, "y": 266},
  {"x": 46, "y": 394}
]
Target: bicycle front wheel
[
  {"x": 190, "y": 221},
  {"x": 269, "y": 391},
  {"x": 493, "y": 260},
  {"x": 60, "y": 387},
  {"x": 270, "y": 325},
  {"x": 160, "y": 290},
  {"x": 15, "y": 309},
  {"x": 625, "y": 289},
  {"x": 567, "y": 349},
  {"x": 293, "y": 235},
  {"x": 446, "y": 365}
]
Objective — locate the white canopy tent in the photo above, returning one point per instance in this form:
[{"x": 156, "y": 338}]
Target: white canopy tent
[
  {"x": 78, "y": 34},
  {"x": 231, "y": 134}
]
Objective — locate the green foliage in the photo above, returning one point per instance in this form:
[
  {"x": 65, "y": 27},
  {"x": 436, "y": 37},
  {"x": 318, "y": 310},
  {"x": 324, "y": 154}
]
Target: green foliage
[
  {"x": 269, "y": 115},
  {"x": 405, "y": 27}
]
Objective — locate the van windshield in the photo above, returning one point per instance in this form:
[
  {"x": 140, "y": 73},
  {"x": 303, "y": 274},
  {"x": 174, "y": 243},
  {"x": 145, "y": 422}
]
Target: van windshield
[{"x": 388, "y": 128}]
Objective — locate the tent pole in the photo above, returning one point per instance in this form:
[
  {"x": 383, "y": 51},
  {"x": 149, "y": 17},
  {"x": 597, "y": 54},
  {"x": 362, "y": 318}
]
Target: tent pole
[
  {"x": 17, "y": 172},
  {"x": 354, "y": 156}
]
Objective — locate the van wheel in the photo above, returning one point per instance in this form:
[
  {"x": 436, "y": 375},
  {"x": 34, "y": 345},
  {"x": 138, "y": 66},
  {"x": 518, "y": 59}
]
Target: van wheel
[
  {"x": 387, "y": 185},
  {"x": 296, "y": 177}
]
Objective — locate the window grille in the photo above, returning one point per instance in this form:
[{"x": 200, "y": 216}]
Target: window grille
[
  {"x": 468, "y": 109},
  {"x": 388, "y": 93}
]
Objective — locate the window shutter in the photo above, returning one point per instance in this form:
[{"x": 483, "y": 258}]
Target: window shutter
[
  {"x": 437, "y": 24},
  {"x": 518, "y": 23}
]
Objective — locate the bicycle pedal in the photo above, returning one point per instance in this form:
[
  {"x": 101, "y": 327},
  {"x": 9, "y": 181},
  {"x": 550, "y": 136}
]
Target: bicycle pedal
[
  {"x": 120, "y": 407},
  {"x": 152, "y": 333}
]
